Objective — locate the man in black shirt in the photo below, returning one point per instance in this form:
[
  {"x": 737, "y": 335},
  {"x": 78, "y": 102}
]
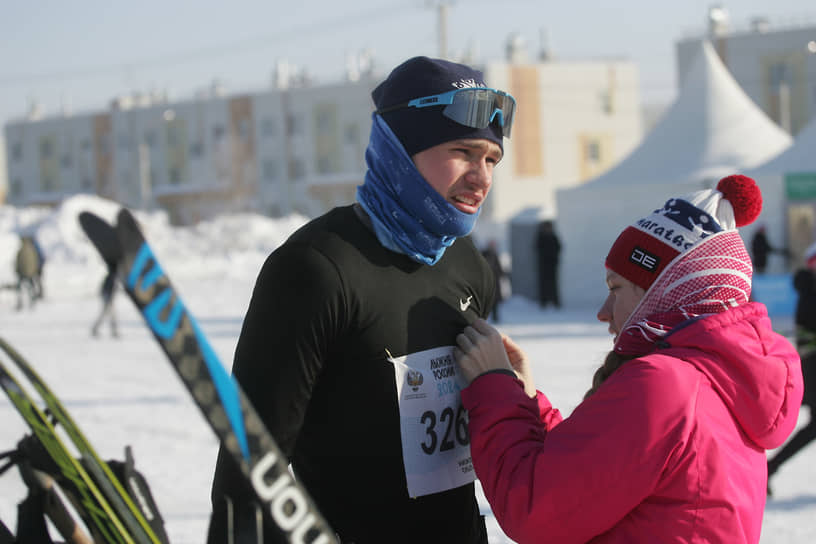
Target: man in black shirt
[{"x": 346, "y": 348}]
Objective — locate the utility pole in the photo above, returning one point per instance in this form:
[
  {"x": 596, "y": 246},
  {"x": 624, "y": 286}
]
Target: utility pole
[{"x": 441, "y": 25}]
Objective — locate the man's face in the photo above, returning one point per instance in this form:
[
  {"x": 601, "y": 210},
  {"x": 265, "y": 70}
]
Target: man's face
[
  {"x": 460, "y": 170},
  {"x": 623, "y": 298}
]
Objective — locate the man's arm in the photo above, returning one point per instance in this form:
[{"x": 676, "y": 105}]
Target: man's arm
[{"x": 287, "y": 331}]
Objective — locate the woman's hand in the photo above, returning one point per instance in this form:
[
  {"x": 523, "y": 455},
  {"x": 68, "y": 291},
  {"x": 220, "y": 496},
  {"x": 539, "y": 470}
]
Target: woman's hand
[
  {"x": 482, "y": 348},
  {"x": 520, "y": 363}
]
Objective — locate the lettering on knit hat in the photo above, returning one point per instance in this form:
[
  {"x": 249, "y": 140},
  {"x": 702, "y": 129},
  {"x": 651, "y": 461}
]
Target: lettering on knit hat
[{"x": 644, "y": 259}]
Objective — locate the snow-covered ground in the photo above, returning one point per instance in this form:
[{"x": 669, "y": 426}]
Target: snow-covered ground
[{"x": 122, "y": 391}]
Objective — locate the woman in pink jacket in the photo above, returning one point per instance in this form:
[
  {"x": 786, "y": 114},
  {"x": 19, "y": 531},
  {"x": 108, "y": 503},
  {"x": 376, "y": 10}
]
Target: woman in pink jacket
[{"x": 669, "y": 442}]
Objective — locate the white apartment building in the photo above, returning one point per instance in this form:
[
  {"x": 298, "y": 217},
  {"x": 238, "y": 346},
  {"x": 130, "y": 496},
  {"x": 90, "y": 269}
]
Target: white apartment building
[
  {"x": 301, "y": 149},
  {"x": 50, "y": 158},
  {"x": 775, "y": 64},
  {"x": 575, "y": 120}
]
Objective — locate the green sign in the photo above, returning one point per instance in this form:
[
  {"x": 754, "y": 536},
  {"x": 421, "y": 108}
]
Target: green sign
[{"x": 800, "y": 186}]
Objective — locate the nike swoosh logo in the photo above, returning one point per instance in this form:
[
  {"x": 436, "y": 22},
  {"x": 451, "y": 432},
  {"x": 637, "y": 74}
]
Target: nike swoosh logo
[{"x": 465, "y": 305}]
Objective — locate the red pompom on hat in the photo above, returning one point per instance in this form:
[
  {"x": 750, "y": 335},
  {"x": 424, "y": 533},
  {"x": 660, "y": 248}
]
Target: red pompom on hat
[
  {"x": 644, "y": 249},
  {"x": 745, "y": 198}
]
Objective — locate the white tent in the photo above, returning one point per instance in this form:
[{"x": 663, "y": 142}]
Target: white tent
[
  {"x": 711, "y": 130},
  {"x": 798, "y": 159}
]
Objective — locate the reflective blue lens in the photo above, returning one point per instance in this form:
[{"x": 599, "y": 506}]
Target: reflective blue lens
[{"x": 475, "y": 107}]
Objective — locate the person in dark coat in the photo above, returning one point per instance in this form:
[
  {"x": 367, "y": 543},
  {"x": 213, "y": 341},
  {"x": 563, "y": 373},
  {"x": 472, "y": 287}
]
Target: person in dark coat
[
  {"x": 760, "y": 249},
  {"x": 106, "y": 291},
  {"x": 26, "y": 266},
  {"x": 491, "y": 255},
  {"x": 548, "y": 250},
  {"x": 804, "y": 281},
  {"x": 38, "y": 277}
]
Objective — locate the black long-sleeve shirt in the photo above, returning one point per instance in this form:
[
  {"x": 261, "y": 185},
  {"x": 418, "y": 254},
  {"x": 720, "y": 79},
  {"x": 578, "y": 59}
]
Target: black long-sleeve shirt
[{"x": 312, "y": 358}]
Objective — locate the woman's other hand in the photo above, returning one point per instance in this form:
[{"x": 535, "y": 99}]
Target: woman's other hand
[{"x": 480, "y": 349}]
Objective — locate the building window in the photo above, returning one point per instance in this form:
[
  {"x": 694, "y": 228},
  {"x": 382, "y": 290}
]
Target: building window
[
  {"x": 16, "y": 187},
  {"x": 105, "y": 144},
  {"x": 324, "y": 165},
  {"x": 174, "y": 175},
  {"x": 780, "y": 74},
  {"x": 607, "y": 104},
  {"x": 87, "y": 183},
  {"x": 297, "y": 170},
  {"x": 172, "y": 137},
  {"x": 123, "y": 140},
  {"x": 352, "y": 133},
  {"x": 150, "y": 138},
  {"x": 66, "y": 162},
  {"x": 269, "y": 170},
  {"x": 243, "y": 129},
  {"x": 325, "y": 119},
  {"x": 46, "y": 148},
  {"x": 196, "y": 149},
  {"x": 85, "y": 145},
  {"x": 218, "y": 133},
  {"x": 593, "y": 152},
  {"x": 49, "y": 183},
  {"x": 16, "y": 151},
  {"x": 268, "y": 128},
  {"x": 294, "y": 126}
]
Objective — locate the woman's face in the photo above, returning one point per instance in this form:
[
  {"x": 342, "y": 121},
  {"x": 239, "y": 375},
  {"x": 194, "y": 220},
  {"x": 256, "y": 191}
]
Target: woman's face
[{"x": 623, "y": 298}]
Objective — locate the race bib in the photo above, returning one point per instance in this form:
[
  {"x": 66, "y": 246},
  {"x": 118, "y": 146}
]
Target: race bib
[{"x": 433, "y": 423}]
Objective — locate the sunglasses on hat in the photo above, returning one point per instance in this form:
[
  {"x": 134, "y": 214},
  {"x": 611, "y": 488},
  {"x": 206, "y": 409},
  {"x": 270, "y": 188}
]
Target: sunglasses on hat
[{"x": 475, "y": 107}]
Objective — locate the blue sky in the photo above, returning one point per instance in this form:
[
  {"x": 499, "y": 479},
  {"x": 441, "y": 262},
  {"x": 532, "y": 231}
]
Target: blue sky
[{"x": 85, "y": 52}]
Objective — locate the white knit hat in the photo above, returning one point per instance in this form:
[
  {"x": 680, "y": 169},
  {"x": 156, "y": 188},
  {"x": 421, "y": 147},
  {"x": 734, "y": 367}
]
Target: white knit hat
[{"x": 644, "y": 249}]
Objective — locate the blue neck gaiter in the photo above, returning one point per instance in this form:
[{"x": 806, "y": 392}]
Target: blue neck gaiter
[{"x": 408, "y": 215}]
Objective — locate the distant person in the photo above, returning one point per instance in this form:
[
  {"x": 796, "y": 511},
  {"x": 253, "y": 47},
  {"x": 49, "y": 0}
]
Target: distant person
[
  {"x": 38, "y": 277},
  {"x": 548, "y": 250},
  {"x": 804, "y": 281},
  {"x": 669, "y": 442},
  {"x": 761, "y": 248},
  {"x": 491, "y": 255},
  {"x": 106, "y": 292},
  {"x": 346, "y": 349},
  {"x": 26, "y": 266}
]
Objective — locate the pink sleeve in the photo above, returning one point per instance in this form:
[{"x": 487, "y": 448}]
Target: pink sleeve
[
  {"x": 568, "y": 481},
  {"x": 549, "y": 416}
]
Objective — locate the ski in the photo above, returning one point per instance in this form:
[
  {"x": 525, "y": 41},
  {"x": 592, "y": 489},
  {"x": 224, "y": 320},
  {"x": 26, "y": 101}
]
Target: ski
[
  {"x": 218, "y": 396},
  {"x": 91, "y": 504},
  {"x": 42, "y": 487},
  {"x": 119, "y": 499}
]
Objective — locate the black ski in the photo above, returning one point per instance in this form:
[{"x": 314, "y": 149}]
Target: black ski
[
  {"x": 120, "y": 500},
  {"x": 96, "y": 512},
  {"x": 219, "y": 397},
  {"x": 42, "y": 490}
]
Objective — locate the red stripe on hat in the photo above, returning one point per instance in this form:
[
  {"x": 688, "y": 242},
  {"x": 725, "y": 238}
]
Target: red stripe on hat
[{"x": 639, "y": 257}]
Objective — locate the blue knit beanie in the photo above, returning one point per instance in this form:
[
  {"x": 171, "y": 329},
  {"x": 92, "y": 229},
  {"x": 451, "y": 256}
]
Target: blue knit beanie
[{"x": 421, "y": 128}]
